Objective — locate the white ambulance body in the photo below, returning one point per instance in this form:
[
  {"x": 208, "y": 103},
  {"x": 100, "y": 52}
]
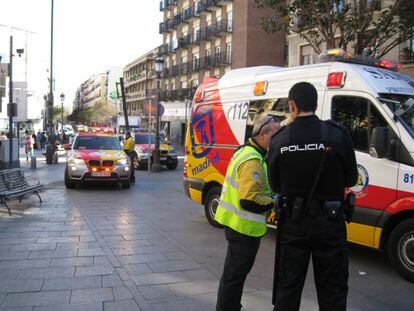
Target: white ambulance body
[{"x": 374, "y": 103}]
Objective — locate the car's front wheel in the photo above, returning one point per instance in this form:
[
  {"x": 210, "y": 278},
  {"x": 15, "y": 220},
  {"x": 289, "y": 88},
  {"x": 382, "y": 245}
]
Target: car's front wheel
[
  {"x": 400, "y": 249},
  {"x": 68, "y": 182}
]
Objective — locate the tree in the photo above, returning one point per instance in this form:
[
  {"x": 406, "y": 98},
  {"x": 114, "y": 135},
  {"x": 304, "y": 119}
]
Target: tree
[
  {"x": 355, "y": 24},
  {"x": 101, "y": 113}
]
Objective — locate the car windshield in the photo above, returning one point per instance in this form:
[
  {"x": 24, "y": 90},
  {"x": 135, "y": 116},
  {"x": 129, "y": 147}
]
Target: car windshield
[
  {"x": 143, "y": 139},
  {"x": 403, "y": 108},
  {"x": 97, "y": 143}
]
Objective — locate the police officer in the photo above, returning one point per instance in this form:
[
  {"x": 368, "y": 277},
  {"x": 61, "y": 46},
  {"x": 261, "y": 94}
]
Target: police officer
[
  {"x": 245, "y": 199},
  {"x": 311, "y": 162},
  {"x": 129, "y": 148}
]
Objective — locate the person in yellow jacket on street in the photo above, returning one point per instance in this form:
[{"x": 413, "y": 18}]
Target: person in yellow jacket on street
[
  {"x": 245, "y": 199},
  {"x": 129, "y": 148}
]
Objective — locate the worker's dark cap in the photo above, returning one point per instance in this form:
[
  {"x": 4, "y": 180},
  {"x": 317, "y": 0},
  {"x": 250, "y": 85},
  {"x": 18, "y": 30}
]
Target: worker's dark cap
[{"x": 305, "y": 96}]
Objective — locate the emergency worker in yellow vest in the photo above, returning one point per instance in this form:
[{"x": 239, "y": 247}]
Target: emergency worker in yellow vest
[{"x": 244, "y": 201}]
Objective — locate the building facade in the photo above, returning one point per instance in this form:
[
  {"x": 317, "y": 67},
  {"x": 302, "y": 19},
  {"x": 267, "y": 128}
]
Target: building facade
[
  {"x": 140, "y": 85},
  {"x": 206, "y": 38},
  {"x": 93, "y": 89}
]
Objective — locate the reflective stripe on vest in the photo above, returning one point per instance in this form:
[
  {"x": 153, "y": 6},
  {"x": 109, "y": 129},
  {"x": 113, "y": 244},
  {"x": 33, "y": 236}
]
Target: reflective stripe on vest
[
  {"x": 229, "y": 212},
  {"x": 242, "y": 214}
]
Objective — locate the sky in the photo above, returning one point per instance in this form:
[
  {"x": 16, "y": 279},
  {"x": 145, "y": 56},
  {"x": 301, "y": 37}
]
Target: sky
[{"x": 90, "y": 36}]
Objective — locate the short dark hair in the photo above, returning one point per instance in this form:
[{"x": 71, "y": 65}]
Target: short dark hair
[{"x": 305, "y": 96}]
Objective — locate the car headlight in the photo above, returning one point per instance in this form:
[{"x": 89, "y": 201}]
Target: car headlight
[
  {"x": 76, "y": 161},
  {"x": 123, "y": 161}
]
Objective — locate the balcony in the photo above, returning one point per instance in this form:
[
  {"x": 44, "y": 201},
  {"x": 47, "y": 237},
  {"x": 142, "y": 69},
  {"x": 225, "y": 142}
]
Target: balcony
[
  {"x": 223, "y": 27},
  {"x": 217, "y": 60},
  {"x": 207, "y": 33},
  {"x": 195, "y": 65},
  {"x": 175, "y": 70},
  {"x": 185, "y": 41},
  {"x": 406, "y": 55},
  {"x": 185, "y": 68},
  {"x": 211, "y": 5},
  {"x": 167, "y": 25},
  {"x": 176, "y": 21},
  {"x": 166, "y": 4}
]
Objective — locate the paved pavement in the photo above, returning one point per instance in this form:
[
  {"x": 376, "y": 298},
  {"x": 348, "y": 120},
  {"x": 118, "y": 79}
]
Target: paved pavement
[{"x": 99, "y": 247}]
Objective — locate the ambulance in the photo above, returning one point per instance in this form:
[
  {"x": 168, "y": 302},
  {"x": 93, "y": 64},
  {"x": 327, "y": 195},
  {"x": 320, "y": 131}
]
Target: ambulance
[{"x": 370, "y": 97}]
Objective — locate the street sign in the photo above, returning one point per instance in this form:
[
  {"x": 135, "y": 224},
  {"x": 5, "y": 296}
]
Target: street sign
[{"x": 3, "y": 74}]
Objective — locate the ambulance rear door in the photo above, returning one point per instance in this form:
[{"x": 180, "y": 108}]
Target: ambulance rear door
[{"x": 376, "y": 188}]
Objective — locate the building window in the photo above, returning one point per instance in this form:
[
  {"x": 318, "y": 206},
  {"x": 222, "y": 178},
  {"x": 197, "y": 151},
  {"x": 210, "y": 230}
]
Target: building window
[
  {"x": 228, "y": 53},
  {"x": 218, "y": 55},
  {"x": 306, "y": 55}
]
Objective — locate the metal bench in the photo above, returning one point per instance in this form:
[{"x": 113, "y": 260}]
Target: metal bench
[{"x": 14, "y": 184}]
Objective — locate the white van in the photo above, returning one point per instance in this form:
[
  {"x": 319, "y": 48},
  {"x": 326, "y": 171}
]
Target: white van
[{"x": 374, "y": 102}]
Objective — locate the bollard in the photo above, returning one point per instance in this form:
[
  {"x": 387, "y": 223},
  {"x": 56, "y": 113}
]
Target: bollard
[
  {"x": 33, "y": 163},
  {"x": 49, "y": 154}
]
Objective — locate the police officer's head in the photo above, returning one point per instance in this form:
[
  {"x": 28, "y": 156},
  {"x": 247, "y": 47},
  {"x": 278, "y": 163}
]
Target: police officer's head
[
  {"x": 128, "y": 134},
  {"x": 303, "y": 99},
  {"x": 264, "y": 126}
]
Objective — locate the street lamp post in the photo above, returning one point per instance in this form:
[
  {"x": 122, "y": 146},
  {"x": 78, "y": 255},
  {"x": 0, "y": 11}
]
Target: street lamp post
[
  {"x": 159, "y": 67},
  {"x": 62, "y": 100},
  {"x": 51, "y": 100}
]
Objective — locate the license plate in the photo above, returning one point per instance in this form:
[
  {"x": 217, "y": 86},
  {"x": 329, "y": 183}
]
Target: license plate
[{"x": 101, "y": 174}]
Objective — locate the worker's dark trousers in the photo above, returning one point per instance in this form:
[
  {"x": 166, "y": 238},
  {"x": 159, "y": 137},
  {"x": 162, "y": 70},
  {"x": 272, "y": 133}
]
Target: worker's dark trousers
[
  {"x": 325, "y": 240},
  {"x": 241, "y": 253}
]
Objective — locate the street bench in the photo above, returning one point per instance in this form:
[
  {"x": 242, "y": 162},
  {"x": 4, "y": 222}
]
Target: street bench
[{"x": 14, "y": 184}]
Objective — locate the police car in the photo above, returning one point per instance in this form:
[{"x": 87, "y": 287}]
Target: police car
[{"x": 370, "y": 97}]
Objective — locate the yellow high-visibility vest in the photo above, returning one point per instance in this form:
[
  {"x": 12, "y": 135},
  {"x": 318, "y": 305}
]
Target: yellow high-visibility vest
[{"x": 229, "y": 212}]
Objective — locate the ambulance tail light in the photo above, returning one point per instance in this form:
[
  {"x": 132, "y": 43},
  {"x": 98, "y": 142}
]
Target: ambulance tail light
[{"x": 336, "y": 79}]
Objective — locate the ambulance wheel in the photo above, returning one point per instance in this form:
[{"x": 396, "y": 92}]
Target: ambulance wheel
[
  {"x": 126, "y": 184},
  {"x": 400, "y": 249},
  {"x": 68, "y": 183},
  {"x": 211, "y": 203}
]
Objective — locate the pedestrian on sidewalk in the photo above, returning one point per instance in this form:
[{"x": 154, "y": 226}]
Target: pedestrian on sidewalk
[
  {"x": 3, "y": 136},
  {"x": 244, "y": 201},
  {"x": 28, "y": 144}
]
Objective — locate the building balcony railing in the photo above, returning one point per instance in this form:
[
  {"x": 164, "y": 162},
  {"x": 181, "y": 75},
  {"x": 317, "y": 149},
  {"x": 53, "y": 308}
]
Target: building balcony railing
[
  {"x": 217, "y": 60},
  {"x": 185, "y": 68},
  {"x": 207, "y": 33},
  {"x": 167, "y": 25},
  {"x": 223, "y": 26},
  {"x": 180, "y": 94},
  {"x": 406, "y": 55},
  {"x": 209, "y": 4},
  {"x": 177, "y": 20}
]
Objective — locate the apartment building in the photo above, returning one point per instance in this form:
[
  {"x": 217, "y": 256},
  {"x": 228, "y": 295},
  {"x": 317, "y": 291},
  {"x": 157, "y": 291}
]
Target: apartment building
[
  {"x": 140, "y": 85},
  {"x": 206, "y": 38},
  {"x": 93, "y": 89}
]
